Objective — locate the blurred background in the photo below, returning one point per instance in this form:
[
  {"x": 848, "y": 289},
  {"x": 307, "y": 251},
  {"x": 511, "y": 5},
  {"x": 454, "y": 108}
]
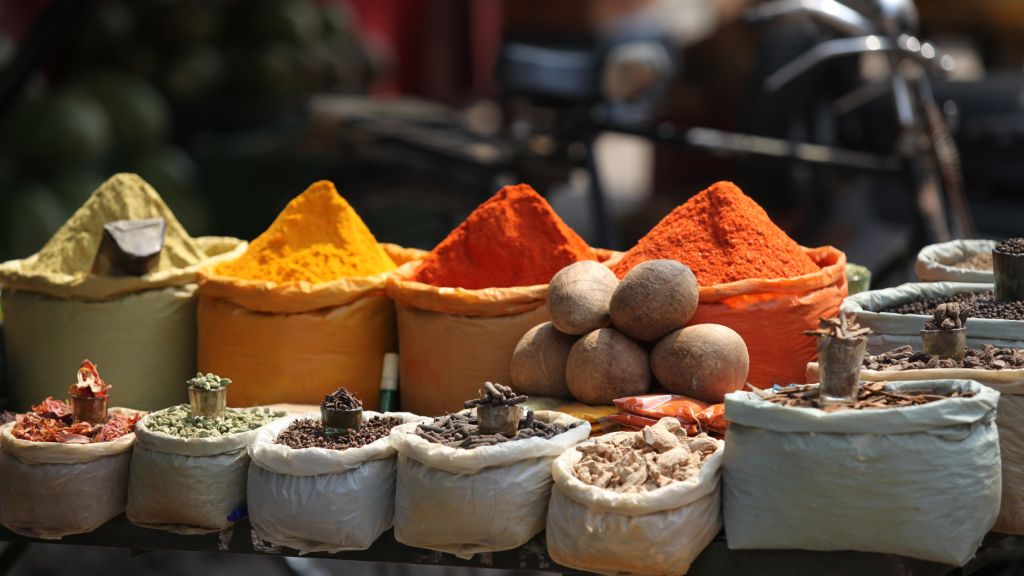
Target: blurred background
[{"x": 617, "y": 111}]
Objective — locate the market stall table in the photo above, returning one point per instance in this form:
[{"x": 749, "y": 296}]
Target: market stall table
[{"x": 716, "y": 559}]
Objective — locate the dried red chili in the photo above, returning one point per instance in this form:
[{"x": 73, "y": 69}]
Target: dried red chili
[{"x": 89, "y": 383}]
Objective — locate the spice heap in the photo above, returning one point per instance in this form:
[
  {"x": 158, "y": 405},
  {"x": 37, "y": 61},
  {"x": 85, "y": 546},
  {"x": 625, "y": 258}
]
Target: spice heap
[
  {"x": 723, "y": 236},
  {"x": 633, "y": 462},
  {"x": 871, "y": 396},
  {"x": 51, "y": 421},
  {"x": 208, "y": 382},
  {"x": 512, "y": 239},
  {"x": 949, "y": 316},
  {"x": 306, "y": 433},
  {"x": 178, "y": 421},
  {"x": 1011, "y": 246},
  {"x": 341, "y": 399},
  {"x": 73, "y": 247},
  {"x": 983, "y": 305},
  {"x": 988, "y": 358},
  {"x": 462, "y": 431},
  {"x": 981, "y": 261},
  {"x": 89, "y": 383},
  {"x": 317, "y": 238},
  {"x": 842, "y": 328},
  {"x": 496, "y": 395}
]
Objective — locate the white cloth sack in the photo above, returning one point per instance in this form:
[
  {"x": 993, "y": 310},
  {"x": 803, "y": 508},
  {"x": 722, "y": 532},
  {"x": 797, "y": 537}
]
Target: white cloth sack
[
  {"x": 656, "y": 533},
  {"x": 1009, "y": 420},
  {"x": 895, "y": 330},
  {"x": 50, "y": 490},
  {"x": 187, "y": 485},
  {"x": 922, "y": 481},
  {"x": 321, "y": 500},
  {"x": 481, "y": 500},
  {"x": 935, "y": 262}
]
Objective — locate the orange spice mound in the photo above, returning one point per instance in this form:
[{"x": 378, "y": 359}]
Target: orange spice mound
[
  {"x": 513, "y": 239},
  {"x": 723, "y": 236},
  {"x": 318, "y": 237}
]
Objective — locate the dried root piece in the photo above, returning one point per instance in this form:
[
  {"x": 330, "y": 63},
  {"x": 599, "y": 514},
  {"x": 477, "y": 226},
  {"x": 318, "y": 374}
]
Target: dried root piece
[{"x": 642, "y": 461}]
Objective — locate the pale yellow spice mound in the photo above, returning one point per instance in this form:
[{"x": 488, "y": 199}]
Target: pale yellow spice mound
[
  {"x": 123, "y": 197},
  {"x": 317, "y": 238}
]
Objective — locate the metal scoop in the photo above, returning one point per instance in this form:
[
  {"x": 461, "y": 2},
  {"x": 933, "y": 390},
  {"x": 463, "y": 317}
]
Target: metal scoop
[{"x": 130, "y": 247}]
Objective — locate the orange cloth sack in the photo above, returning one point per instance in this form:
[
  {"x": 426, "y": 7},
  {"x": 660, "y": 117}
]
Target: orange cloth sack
[
  {"x": 771, "y": 316},
  {"x": 295, "y": 342}
]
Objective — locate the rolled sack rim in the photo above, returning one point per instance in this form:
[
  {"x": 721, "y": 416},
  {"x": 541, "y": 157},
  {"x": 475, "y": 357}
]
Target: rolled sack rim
[{"x": 831, "y": 260}]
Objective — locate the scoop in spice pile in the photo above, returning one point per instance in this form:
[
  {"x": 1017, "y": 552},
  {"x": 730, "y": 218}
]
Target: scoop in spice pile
[
  {"x": 208, "y": 382},
  {"x": 843, "y": 328},
  {"x": 178, "y": 421},
  {"x": 496, "y": 395},
  {"x": 51, "y": 421},
  {"x": 307, "y": 433},
  {"x": 950, "y": 316},
  {"x": 872, "y": 396},
  {"x": 988, "y": 358},
  {"x": 463, "y": 430},
  {"x": 642, "y": 461},
  {"x": 341, "y": 399}
]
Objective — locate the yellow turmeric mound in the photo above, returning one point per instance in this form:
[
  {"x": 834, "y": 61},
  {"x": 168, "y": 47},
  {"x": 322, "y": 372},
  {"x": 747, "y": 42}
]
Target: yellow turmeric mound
[{"x": 318, "y": 237}]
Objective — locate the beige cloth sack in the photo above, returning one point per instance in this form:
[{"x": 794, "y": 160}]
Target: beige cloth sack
[
  {"x": 321, "y": 500},
  {"x": 656, "y": 533},
  {"x": 935, "y": 262},
  {"x": 50, "y": 490},
  {"x": 481, "y": 500},
  {"x": 1009, "y": 420},
  {"x": 187, "y": 485}
]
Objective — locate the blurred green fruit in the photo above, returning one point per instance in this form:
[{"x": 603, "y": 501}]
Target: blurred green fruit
[
  {"x": 138, "y": 113},
  {"x": 29, "y": 215},
  {"x": 194, "y": 73},
  {"x": 105, "y": 27},
  {"x": 295, "y": 21},
  {"x": 71, "y": 127},
  {"x": 335, "y": 20},
  {"x": 140, "y": 58},
  {"x": 267, "y": 71}
]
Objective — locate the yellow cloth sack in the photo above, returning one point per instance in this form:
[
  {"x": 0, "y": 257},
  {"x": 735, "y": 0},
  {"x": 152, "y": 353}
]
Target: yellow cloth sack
[
  {"x": 452, "y": 340},
  {"x": 296, "y": 341}
]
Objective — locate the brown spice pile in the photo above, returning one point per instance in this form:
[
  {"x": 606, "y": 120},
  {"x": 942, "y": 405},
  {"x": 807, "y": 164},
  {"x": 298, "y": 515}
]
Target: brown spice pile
[
  {"x": 496, "y": 395},
  {"x": 981, "y": 261},
  {"x": 306, "y": 433},
  {"x": 872, "y": 396},
  {"x": 463, "y": 431},
  {"x": 988, "y": 358},
  {"x": 641, "y": 461}
]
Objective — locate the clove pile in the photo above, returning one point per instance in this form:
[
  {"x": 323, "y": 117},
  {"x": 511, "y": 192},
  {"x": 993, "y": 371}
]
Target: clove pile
[
  {"x": 463, "y": 431},
  {"x": 871, "y": 396},
  {"x": 948, "y": 316},
  {"x": 843, "y": 328},
  {"x": 641, "y": 461},
  {"x": 306, "y": 433},
  {"x": 496, "y": 395},
  {"x": 341, "y": 399},
  {"x": 988, "y": 358}
]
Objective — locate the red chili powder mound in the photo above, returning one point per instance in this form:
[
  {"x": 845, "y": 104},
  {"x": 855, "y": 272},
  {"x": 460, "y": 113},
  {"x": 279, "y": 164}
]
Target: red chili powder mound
[
  {"x": 723, "y": 236},
  {"x": 513, "y": 239}
]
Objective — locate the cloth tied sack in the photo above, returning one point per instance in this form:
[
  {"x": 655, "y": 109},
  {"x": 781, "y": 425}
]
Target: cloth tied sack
[
  {"x": 771, "y": 315},
  {"x": 891, "y": 331},
  {"x": 453, "y": 339},
  {"x": 1009, "y": 420},
  {"x": 480, "y": 500},
  {"x": 49, "y": 490},
  {"x": 935, "y": 262},
  {"x": 656, "y": 533},
  {"x": 296, "y": 341},
  {"x": 318, "y": 499},
  {"x": 141, "y": 330},
  {"x": 922, "y": 481},
  {"x": 187, "y": 485}
]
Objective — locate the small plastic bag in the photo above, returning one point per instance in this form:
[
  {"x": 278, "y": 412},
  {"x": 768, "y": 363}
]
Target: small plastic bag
[{"x": 689, "y": 411}]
